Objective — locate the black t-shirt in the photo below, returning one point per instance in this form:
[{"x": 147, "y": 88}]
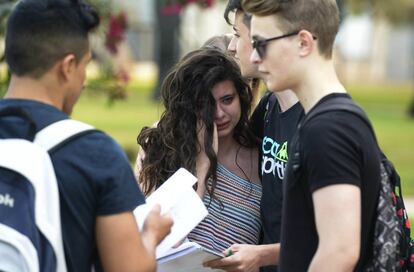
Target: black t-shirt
[
  {"x": 276, "y": 129},
  {"x": 336, "y": 148},
  {"x": 94, "y": 178}
]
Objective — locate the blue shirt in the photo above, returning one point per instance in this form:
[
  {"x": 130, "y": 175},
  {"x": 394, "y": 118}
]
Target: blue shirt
[{"x": 94, "y": 179}]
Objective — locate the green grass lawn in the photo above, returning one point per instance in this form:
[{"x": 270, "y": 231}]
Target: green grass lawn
[
  {"x": 387, "y": 108},
  {"x": 385, "y": 105},
  {"x": 122, "y": 120}
]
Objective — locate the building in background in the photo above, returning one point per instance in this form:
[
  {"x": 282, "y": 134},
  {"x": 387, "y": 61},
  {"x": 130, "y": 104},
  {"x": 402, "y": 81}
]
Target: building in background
[
  {"x": 373, "y": 51},
  {"x": 367, "y": 49}
]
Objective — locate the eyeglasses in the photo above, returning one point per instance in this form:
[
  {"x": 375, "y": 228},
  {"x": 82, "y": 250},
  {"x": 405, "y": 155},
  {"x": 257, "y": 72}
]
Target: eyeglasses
[{"x": 260, "y": 45}]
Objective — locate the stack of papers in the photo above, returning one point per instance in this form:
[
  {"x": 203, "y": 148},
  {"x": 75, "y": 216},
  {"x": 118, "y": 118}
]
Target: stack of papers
[
  {"x": 178, "y": 199},
  {"x": 189, "y": 257}
]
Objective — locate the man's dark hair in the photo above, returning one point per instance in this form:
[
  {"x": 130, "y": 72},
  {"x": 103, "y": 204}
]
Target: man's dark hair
[
  {"x": 41, "y": 32},
  {"x": 234, "y": 6}
]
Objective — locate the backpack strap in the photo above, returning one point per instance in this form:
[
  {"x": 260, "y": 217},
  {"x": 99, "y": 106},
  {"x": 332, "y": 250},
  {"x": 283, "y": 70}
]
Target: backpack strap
[
  {"x": 271, "y": 103},
  {"x": 60, "y": 132},
  {"x": 260, "y": 115},
  {"x": 258, "y": 124},
  {"x": 56, "y": 135},
  {"x": 339, "y": 104}
]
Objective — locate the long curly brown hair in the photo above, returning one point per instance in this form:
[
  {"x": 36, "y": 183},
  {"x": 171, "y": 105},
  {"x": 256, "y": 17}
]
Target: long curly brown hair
[{"x": 187, "y": 98}]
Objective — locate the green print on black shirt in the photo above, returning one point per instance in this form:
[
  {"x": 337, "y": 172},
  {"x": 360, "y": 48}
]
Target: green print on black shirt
[{"x": 274, "y": 158}]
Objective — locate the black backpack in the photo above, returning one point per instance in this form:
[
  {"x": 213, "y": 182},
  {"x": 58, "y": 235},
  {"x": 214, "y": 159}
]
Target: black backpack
[{"x": 393, "y": 247}]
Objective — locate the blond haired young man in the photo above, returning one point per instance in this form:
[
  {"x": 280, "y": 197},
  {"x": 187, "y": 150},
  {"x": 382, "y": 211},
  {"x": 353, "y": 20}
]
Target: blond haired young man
[{"x": 329, "y": 202}]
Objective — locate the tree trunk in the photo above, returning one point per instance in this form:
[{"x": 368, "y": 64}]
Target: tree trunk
[{"x": 167, "y": 45}]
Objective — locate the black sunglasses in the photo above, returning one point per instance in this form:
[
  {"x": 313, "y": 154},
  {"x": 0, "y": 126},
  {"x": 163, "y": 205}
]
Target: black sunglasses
[{"x": 260, "y": 45}]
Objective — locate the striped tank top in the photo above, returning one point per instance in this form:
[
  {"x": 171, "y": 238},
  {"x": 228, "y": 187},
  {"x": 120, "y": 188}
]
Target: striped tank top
[{"x": 236, "y": 220}]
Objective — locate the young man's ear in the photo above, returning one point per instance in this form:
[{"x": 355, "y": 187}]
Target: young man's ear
[
  {"x": 307, "y": 43},
  {"x": 67, "y": 66}
]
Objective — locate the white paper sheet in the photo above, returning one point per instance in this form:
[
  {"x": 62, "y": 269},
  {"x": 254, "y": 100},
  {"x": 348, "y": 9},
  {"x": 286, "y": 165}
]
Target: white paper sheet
[{"x": 177, "y": 198}]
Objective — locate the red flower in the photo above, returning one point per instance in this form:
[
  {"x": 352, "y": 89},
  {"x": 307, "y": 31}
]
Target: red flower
[
  {"x": 116, "y": 31},
  {"x": 210, "y": 3},
  {"x": 123, "y": 76},
  {"x": 171, "y": 9},
  {"x": 175, "y": 6}
]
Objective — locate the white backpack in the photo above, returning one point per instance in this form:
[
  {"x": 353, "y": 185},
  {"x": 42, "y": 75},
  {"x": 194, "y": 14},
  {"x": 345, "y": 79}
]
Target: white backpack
[{"x": 30, "y": 227}]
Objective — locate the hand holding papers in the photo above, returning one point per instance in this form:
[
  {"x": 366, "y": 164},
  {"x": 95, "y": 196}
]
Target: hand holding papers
[{"x": 176, "y": 197}]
